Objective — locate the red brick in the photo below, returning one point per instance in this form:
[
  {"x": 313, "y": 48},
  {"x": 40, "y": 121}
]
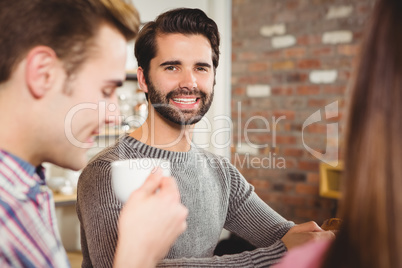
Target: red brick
[
  {"x": 257, "y": 66},
  {"x": 289, "y": 115},
  {"x": 296, "y": 52},
  {"x": 270, "y": 197},
  {"x": 253, "y": 58},
  {"x": 291, "y": 163},
  {"x": 307, "y": 40},
  {"x": 316, "y": 128},
  {"x": 282, "y": 91},
  {"x": 274, "y": 54},
  {"x": 237, "y": 44},
  {"x": 285, "y": 16},
  {"x": 292, "y": 152},
  {"x": 322, "y": 51},
  {"x": 272, "y": 150},
  {"x": 239, "y": 91},
  {"x": 287, "y": 126},
  {"x": 259, "y": 184},
  {"x": 348, "y": 50},
  {"x": 283, "y": 65},
  {"x": 309, "y": 165},
  {"x": 306, "y": 189},
  {"x": 260, "y": 113},
  {"x": 294, "y": 200},
  {"x": 308, "y": 90},
  {"x": 247, "y": 56},
  {"x": 308, "y": 64},
  {"x": 259, "y": 138},
  {"x": 317, "y": 102},
  {"x": 285, "y": 139},
  {"x": 295, "y": 77},
  {"x": 338, "y": 90},
  {"x": 344, "y": 75},
  {"x": 292, "y": 5},
  {"x": 248, "y": 79}
]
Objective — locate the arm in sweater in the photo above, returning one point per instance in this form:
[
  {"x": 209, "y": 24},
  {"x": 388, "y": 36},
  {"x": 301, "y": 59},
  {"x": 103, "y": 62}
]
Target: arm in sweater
[
  {"x": 251, "y": 218},
  {"x": 98, "y": 211}
]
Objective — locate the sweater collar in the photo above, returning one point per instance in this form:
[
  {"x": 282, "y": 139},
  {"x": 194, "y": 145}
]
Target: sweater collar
[{"x": 153, "y": 152}]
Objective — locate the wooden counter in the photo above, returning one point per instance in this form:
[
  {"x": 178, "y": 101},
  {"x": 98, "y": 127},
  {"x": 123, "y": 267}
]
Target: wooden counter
[{"x": 64, "y": 200}]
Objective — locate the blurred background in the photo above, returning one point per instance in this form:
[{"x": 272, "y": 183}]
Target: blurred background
[{"x": 278, "y": 112}]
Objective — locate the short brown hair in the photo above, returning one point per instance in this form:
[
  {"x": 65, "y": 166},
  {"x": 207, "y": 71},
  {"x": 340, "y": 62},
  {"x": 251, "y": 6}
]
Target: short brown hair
[
  {"x": 182, "y": 20},
  {"x": 66, "y": 26}
]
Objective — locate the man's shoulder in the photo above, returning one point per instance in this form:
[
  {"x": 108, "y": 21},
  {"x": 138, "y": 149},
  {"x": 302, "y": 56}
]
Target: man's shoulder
[{"x": 119, "y": 151}]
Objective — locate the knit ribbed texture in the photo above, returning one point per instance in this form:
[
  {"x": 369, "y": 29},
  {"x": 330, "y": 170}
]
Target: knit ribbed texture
[{"x": 213, "y": 190}]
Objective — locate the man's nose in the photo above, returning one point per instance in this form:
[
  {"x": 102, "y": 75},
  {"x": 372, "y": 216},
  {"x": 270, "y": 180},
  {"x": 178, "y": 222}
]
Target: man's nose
[{"x": 188, "y": 80}]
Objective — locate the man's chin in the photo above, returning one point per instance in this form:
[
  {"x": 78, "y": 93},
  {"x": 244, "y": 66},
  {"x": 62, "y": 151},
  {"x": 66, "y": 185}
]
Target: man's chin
[{"x": 184, "y": 122}]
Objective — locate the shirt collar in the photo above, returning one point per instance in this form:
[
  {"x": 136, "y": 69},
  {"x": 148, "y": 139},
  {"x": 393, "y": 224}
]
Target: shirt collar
[
  {"x": 21, "y": 167},
  {"x": 30, "y": 169}
]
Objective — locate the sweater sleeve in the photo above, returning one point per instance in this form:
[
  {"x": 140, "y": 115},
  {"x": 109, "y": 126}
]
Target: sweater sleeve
[
  {"x": 251, "y": 218},
  {"x": 98, "y": 211},
  {"x": 258, "y": 258}
]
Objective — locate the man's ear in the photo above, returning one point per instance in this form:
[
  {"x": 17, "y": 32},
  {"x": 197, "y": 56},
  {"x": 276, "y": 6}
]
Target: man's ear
[
  {"x": 41, "y": 67},
  {"x": 141, "y": 80}
]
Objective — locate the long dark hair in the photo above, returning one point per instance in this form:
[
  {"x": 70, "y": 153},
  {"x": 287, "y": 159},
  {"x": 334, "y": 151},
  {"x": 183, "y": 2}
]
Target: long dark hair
[{"x": 371, "y": 235}]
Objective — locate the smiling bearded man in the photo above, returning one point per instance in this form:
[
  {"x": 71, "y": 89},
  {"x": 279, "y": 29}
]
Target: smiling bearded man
[{"x": 177, "y": 56}]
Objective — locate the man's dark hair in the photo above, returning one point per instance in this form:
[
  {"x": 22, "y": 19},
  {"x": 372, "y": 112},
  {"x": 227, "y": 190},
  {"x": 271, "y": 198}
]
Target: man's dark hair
[{"x": 182, "y": 20}]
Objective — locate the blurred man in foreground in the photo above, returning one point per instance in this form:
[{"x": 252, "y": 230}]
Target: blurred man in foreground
[{"x": 56, "y": 56}]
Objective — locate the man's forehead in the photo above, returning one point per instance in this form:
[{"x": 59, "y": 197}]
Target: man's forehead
[{"x": 176, "y": 38}]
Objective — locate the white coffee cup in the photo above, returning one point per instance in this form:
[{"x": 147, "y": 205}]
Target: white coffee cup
[{"x": 128, "y": 175}]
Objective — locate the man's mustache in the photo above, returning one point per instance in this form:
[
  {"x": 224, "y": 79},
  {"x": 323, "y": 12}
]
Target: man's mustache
[{"x": 185, "y": 92}]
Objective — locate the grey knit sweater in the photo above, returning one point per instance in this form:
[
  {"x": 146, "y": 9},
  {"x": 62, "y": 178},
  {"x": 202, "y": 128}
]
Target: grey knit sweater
[{"x": 213, "y": 190}]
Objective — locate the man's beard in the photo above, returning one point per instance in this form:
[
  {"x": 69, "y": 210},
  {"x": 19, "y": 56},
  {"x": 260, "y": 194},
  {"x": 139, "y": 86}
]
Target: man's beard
[{"x": 178, "y": 116}]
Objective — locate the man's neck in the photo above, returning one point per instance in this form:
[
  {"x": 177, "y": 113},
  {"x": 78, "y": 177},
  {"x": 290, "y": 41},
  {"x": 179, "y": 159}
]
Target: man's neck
[
  {"x": 15, "y": 137},
  {"x": 163, "y": 134}
]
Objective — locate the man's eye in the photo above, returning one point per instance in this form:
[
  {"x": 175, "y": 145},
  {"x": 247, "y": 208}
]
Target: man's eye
[
  {"x": 170, "y": 68},
  {"x": 107, "y": 92},
  {"x": 202, "y": 69}
]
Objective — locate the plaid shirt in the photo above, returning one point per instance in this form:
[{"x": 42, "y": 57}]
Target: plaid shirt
[{"x": 29, "y": 236}]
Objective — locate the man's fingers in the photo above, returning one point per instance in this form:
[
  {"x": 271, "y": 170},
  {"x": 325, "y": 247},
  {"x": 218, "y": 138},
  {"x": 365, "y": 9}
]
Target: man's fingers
[{"x": 310, "y": 226}]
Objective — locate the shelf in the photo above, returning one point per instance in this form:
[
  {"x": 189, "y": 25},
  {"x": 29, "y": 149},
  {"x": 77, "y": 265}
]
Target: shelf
[{"x": 330, "y": 180}]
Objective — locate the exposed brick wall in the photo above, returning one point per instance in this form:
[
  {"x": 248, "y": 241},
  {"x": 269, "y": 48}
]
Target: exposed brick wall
[{"x": 290, "y": 59}]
